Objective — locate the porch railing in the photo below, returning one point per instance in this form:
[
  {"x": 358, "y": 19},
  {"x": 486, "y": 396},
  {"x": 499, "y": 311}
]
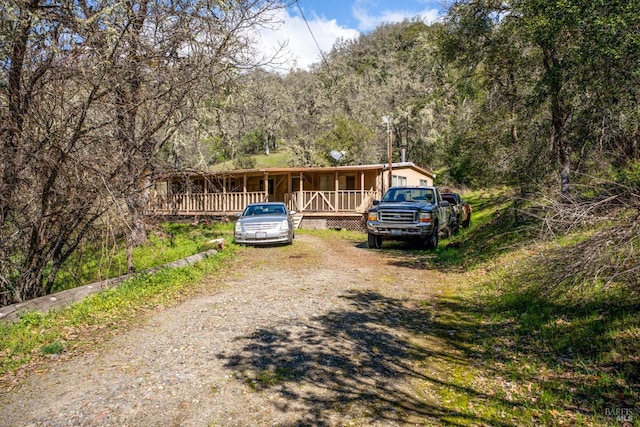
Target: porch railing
[
  {"x": 330, "y": 201},
  {"x": 222, "y": 203},
  {"x": 191, "y": 203}
]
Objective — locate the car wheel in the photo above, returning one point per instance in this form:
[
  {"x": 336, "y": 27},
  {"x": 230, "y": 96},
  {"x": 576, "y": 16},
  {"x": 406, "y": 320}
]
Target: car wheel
[
  {"x": 432, "y": 241},
  {"x": 455, "y": 227},
  {"x": 375, "y": 242}
]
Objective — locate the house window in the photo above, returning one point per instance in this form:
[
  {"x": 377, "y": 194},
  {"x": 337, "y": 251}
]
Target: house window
[
  {"x": 271, "y": 184},
  {"x": 346, "y": 182},
  {"x": 325, "y": 182},
  {"x": 424, "y": 183},
  {"x": 398, "y": 180}
]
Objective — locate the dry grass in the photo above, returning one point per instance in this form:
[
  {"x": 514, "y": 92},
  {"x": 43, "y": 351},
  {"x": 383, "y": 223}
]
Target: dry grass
[
  {"x": 548, "y": 312},
  {"x": 598, "y": 233}
]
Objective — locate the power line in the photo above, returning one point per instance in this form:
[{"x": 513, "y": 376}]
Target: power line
[{"x": 310, "y": 32}]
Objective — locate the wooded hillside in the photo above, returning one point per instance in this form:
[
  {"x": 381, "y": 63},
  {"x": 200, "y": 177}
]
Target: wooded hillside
[{"x": 98, "y": 97}]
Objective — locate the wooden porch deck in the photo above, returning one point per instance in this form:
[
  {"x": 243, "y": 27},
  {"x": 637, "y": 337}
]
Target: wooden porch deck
[
  {"x": 339, "y": 202},
  {"x": 314, "y": 209}
]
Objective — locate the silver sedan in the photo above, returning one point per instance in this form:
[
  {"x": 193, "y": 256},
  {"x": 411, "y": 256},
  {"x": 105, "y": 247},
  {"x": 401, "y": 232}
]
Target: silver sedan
[{"x": 264, "y": 224}]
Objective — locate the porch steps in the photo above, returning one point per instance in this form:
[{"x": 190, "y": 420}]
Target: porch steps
[{"x": 297, "y": 219}]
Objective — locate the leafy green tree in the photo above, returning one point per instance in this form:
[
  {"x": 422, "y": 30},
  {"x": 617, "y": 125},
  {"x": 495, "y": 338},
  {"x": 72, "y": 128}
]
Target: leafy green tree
[
  {"x": 541, "y": 67},
  {"x": 244, "y": 161},
  {"x": 389, "y": 72},
  {"x": 305, "y": 117},
  {"x": 254, "y": 142},
  {"x": 350, "y": 137}
]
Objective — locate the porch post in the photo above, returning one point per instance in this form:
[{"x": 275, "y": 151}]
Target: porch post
[
  {"x": 266, "y": 185},
  {"x": 336, "y": 185},
  {"x": 224, "y": 193},
  {"x": 244, "y": 189},
  {"x": 300, "y": 201},
  {"x": 289, "y": 190},
  {"x": 362, "y": 207},
  {"x": 205, "y": 196}
]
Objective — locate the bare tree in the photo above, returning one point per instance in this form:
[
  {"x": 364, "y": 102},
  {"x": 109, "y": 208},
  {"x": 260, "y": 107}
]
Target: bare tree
[
  {"x": 171, "y": 54},
  {"x": 90, "y": 92},
  {"x": 56, "y": 160}
]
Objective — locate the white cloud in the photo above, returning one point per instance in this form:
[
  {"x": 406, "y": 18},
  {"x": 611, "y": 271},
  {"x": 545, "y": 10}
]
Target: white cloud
[
  {"x": 368, "y": 21},
  {"x": 301, "y": 50}
]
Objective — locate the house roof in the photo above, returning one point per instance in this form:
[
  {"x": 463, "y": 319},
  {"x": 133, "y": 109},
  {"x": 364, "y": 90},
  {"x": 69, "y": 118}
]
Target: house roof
[{"x": 261, "y": 171}]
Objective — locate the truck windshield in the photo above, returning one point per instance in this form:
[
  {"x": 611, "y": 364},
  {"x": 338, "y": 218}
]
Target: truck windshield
[{"x": 409, "y": 195}]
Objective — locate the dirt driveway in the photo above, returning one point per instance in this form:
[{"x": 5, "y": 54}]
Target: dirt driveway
[{"x": 321, "y": 333}]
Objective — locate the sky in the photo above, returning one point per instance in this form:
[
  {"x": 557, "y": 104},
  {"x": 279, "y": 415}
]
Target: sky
[{"x": 330, "y": 20}]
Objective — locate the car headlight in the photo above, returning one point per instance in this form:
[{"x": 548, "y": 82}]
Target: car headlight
[
  {"x": 285, "y": 225},
  {"x": 425, "y": 217},
  {"x": 238, "y": 227},
  {"x": 372, "y": 216}
]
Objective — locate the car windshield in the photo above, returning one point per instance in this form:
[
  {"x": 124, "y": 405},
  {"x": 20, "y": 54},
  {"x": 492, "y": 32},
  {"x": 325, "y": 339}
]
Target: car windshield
[
  {"x": 409, "y": 195},
  {"x": 264, "y": 210}
]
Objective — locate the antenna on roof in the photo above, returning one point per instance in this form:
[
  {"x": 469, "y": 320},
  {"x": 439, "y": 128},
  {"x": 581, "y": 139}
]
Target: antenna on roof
[{"x": 337, "y": 155}]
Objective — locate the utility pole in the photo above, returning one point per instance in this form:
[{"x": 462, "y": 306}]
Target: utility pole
[
  {"x": 404, "y": 141},
  {"x": 387, "y": 120}
]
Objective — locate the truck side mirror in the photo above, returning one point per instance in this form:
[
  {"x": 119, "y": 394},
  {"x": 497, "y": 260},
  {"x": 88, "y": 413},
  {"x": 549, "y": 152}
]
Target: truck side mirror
[
  {"x": 444, "y": 204},
  {"x": 376, "y": 202}
]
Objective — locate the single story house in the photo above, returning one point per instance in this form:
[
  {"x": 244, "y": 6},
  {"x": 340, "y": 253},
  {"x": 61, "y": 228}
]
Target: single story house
[{"x": 323, "y": 197}]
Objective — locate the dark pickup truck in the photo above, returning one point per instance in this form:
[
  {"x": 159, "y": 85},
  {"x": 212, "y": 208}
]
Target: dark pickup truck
[
  {"x": 409, "y": 213},
  {"x": 460, "y": 209}
]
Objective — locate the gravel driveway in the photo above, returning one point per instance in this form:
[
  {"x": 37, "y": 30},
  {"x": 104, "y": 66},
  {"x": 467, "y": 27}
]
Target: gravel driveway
[{"x": 321, "y": 333}]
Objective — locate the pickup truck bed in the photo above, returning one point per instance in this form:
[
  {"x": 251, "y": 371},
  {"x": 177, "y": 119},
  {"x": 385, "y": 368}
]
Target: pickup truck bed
[{"x": 460, "y": 209}]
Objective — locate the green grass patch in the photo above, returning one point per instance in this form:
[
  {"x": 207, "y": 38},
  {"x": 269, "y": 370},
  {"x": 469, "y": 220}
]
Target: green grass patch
[
  {"x": 526, "y": 341},
  {"x": 36, "y": 334},
  {"x": 167, "y": 242},
  {"x": 267, "y": 378},
  {"x": 354, "y": 236},
  {"x": 55, "y": 347},
  {"x": 497, "y": 229}
]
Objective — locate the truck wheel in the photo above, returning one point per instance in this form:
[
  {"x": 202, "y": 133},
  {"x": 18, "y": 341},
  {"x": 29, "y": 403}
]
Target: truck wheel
[
  {"x": 375, "y": 242},
  {"x": 432, "y": 241}
]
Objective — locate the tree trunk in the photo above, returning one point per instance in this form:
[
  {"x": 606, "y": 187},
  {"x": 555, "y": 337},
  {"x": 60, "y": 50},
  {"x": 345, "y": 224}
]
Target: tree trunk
[
  {"x": 560, "y": 114},
  {"x": 12, "y": 127},
  {"x": 29, "y": 284},
  {"x": 565, "y": 173},
  {"x": 136, "y": 204}
]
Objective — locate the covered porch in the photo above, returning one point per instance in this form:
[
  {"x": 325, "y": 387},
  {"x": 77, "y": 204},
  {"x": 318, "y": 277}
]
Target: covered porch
[
  {"x": 305, "y": 190},
  {"x": 231, "y": 203},
  {"x": 324, "y": 193}
]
